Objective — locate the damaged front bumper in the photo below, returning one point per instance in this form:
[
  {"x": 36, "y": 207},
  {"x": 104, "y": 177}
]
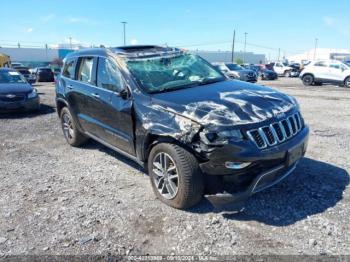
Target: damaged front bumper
[
  {"x": 261, "y": 182},
  {"x": 268, "y": 167}
]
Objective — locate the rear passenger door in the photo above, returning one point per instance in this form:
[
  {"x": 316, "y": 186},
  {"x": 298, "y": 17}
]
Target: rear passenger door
[{"x": 80, "y": 91}]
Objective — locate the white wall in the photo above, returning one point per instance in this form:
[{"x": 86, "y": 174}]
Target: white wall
[{"x": 30, "y": 54}]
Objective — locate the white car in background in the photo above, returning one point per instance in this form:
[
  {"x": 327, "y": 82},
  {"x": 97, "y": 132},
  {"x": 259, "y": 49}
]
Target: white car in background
[
  {"x": 326, "y": 71},
  {"x": 224, "y": 69},
  {"x": 282, "y": 69}
]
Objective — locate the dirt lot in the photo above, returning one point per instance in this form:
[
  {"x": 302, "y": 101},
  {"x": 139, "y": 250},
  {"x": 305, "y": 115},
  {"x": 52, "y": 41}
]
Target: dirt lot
[{"x": 55, "y": 199}]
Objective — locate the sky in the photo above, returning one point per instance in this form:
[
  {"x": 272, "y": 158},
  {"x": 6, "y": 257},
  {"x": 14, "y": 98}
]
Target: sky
[{"x": 291, "y": 26}]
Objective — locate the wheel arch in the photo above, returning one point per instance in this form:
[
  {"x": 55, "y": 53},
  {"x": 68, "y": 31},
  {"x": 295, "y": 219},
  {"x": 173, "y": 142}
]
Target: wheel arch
[
  {"x": 60, "y": 104},
  {"x": 152, "y": 140},
  {"x": 311, "y": 74}
]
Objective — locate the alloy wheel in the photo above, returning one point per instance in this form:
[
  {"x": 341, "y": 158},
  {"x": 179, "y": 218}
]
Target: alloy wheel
[
  {"x": 166, "y": 176},
  {"x": 347, "y": 82},
  {"x": 67, "y": 126}
]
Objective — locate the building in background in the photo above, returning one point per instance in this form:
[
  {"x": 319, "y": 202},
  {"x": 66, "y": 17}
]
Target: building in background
[
  {"x": 226, "y": 56},
  {"x": 321, "y": 54},
  {"x": 34, "y": 57}
]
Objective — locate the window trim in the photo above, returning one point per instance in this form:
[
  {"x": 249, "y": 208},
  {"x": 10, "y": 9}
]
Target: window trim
[
  {"x": 124, "y": 83},
  {"x": 73, "y": 59},
  {"x": 93, "y": 71}
]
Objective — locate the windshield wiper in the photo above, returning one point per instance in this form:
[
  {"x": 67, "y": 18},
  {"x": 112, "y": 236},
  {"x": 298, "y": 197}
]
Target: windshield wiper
[
  {"x": 210, "y": 81},
  {"x": 193, "y": 84},
  {"x": 173, "y": 88}
]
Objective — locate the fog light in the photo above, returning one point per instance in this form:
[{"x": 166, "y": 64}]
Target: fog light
[{"x": 236, "y": 165}]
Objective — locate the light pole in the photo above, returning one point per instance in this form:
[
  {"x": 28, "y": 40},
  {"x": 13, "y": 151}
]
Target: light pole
[
  {"x": 245, "y": 46},
  {"x": 233, "y": 46},
  {"x": 124, "y": 23},
  {"x": 316, "y": 42},
  {"x": 70, "y": 42}
]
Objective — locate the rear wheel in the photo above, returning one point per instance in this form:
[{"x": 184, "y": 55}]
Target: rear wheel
[
  {"x": 308, "y": 80},
  {"x": 347, "y": 82},
  {"x": 175, "y": 176},
  {"x": 70, "y": 131}
]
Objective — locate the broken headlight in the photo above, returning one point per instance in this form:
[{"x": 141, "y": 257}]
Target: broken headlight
[{"x": 221, "y": 137}]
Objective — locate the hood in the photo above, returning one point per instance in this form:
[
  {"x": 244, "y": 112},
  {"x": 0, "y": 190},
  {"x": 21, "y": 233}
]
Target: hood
[
  {"x": 15, "y": 88},
  {"x": 225, "y": 103}
]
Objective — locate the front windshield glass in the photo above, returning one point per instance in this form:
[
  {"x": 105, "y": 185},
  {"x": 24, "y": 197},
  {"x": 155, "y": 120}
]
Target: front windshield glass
[
  {"x": 160, "y": 74},
  {"x": 11, "y": 77},
  {"x": 234, "y": 67}
]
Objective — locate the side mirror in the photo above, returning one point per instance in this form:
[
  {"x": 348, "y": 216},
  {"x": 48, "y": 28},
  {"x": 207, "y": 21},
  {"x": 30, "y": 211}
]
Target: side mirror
[{"x": 123, "y": 93}]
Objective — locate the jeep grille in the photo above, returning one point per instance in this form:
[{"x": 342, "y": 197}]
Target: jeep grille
[{"x": 276, "y": 132}]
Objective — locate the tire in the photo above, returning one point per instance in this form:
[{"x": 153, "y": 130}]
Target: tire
[
  {"x": 72, "y": 135},
  {"x": 308, "y": 80},
  {"x": 347, "y": 82},
  {"x": 286, "y": 74},
  {"x": 182, "y": 192}
]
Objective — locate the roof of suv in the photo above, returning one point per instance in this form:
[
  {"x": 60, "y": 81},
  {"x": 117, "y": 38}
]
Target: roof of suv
[{"x": 128, "y": 51}]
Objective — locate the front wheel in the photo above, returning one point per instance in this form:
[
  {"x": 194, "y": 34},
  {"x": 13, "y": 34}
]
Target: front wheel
[
  {"x": 70, "y": 131},
  {"x": 287, "y": 74},
  {"x": 347, "y": 82},
  {"x": 308, "y": 80},
  {"x": 175, "y": 176}
]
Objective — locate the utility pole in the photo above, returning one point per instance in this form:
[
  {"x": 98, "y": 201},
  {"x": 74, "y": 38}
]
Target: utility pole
[
  {"x": 279, "y": 53},
  {"x": 316, "y": 42},
  {"x": 245, "y": 46},
  {"x": 233, "y": 46},
  {"x": 124, "y": 23},
  {"x": 70, "y": 43}
]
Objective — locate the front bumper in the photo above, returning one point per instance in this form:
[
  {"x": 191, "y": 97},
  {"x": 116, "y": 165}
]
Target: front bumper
[
  {"x": 271, "y": 77},
  {"x": 269, "y": 166},
  {"x": 261, "y": 182},
  {"x": 26, "y": 105}
]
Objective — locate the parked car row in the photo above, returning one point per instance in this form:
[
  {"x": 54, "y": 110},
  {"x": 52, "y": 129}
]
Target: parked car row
[{"x": 236, "y": 71}]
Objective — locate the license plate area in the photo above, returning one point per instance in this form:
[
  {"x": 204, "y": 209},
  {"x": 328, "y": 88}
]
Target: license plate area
[{"x": 295, "y": 154}]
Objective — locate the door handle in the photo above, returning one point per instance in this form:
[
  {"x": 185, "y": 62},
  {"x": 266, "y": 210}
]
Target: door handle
[
  {"x": 95, "y": 95},
  {"x": 70, "y": 87}
]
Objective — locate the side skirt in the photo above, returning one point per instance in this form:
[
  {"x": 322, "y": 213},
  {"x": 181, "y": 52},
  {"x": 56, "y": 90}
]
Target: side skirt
[{"x": 131, "y": 157}]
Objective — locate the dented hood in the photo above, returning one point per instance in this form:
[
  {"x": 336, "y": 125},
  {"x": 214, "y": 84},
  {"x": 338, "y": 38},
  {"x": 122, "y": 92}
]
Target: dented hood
[{"x": 228, "y": 102}]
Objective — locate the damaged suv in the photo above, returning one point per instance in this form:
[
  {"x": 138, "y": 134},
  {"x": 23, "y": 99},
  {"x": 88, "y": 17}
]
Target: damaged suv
[{"x": 195, "y": 130}]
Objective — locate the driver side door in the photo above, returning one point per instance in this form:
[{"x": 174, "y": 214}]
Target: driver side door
[{"x": 113, "y": 107}]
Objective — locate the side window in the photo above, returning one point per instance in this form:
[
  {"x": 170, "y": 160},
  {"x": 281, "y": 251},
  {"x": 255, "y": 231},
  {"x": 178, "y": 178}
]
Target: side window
[
  {"x": 85, "y": 73},
  {"x": 109, "y": 76},
  {"x": 335, "y": 66},
  {"x": 321, "y": 64},
  {"x": 68, "y": 69}
]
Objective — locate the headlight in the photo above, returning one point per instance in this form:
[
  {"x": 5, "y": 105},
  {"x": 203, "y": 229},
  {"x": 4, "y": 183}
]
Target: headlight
[
  {"x": 221, "y": 137},
  {"x": 33, "y": 94}
]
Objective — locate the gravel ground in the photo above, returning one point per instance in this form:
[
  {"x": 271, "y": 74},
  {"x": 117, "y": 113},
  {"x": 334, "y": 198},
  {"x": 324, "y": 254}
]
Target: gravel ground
[{"x": 55, "y": 199}]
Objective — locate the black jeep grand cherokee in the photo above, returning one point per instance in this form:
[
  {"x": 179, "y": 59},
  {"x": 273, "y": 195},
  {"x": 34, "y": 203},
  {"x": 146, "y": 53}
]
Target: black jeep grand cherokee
[{"x": 196, "y": 131}]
